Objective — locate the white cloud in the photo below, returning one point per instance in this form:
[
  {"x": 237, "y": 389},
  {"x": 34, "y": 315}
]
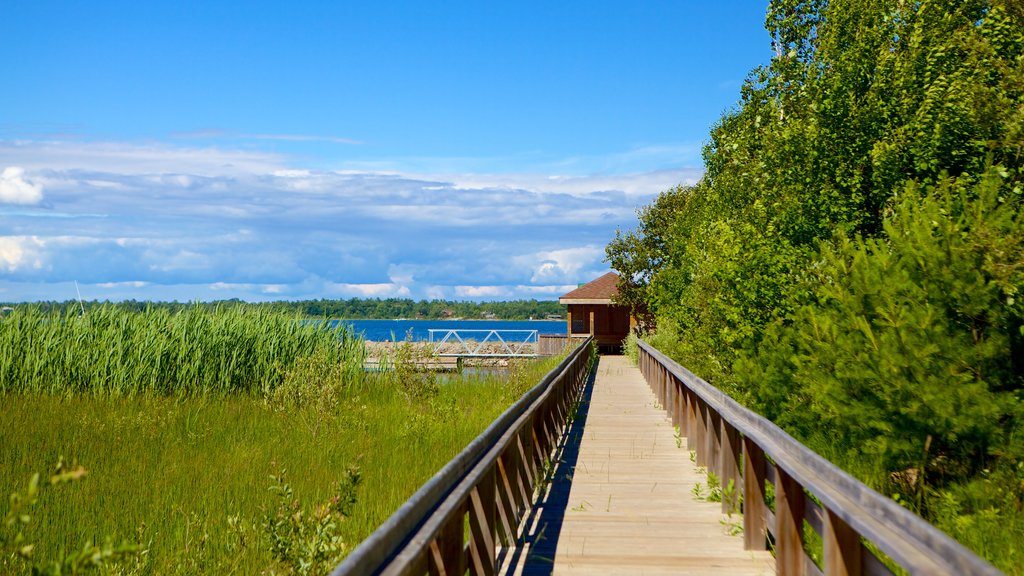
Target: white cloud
[
  {"x": 222, "y": 134},
  {"x": 560, "y": 265},
  {"x": 15, "y": 189},
  {"x": 20, "y": 252},
  {"x": 115, "y": 285},
  {"x": 382, "y": 290},
  {"x": 134, "y": 159},
  {"x": 633, "y": 184},
  {"x": 481, "y": 291},
  {"x": 156, "y": 222}
]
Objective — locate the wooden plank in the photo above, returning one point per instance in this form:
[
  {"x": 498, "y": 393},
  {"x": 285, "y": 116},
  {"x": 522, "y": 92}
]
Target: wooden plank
[
  {"x": 630, "y": 508},
  {"x": 731, "y": 460},
  {"x": 842, "y": 547},
  {"x": 714, "y": 442},
  {"x": 789, "y": 525},
  {"x": 507, "y": 517},
  {"x": 691, "y": 420},
  {"x": 702, "y": 433},
  {"x": 482, "y": 546},
  {"x": 445, "y": 555},
  {"x": 754, "y": 507}
]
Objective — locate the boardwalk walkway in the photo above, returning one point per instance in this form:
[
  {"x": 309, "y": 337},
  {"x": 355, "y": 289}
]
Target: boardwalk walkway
[{"x": 622, "y": 500}]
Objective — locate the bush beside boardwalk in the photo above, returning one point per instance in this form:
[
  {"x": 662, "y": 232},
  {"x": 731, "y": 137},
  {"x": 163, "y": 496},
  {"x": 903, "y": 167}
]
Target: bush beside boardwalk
[{"x": 185, "y": 472}]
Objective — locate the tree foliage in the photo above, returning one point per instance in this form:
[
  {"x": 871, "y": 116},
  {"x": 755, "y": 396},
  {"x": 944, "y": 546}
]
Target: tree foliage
[{"x": 851, "y": 262}]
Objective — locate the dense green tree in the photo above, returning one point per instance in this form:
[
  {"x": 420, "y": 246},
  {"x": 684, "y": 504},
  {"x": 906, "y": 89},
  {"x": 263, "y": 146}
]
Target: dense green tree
[{"x": 851, "y": 264}]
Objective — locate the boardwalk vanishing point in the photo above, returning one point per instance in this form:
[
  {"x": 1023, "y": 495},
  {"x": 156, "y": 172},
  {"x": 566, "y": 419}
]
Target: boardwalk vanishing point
[{"x": 622, "y": 500}]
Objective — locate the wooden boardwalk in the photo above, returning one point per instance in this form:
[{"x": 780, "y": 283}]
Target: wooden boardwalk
[{"x": 622, "y": 500}]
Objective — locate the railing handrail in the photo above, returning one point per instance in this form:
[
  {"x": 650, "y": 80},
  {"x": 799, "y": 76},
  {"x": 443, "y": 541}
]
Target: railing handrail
[
  {"x": 905, "y": 537},
  {"x": 387, "y": 542}
]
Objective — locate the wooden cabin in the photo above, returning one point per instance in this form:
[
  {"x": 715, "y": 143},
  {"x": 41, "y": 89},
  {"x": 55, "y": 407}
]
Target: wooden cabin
[{"x": 591, "y": 311}]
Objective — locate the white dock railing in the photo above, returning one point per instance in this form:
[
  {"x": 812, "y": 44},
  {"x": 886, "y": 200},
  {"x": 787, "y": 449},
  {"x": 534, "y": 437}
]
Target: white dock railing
[{"x": 484, "y": 343}]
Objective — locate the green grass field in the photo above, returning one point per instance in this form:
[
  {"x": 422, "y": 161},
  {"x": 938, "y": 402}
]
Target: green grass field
[{"x": 187, "y": 476}]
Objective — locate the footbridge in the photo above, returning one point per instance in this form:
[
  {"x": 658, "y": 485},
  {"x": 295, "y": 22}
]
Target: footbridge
[
  {"x": 461, "y": 343},
  {"x": 604, "y": 467}
]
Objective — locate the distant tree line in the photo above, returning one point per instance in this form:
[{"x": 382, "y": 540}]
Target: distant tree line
[
  {"x": 354, "y": 308},
  {"x": 851, "y": 265}
]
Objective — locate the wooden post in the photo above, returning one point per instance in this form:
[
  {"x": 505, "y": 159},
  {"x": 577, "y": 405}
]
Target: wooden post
[
  {"x": 482, "y": 549},
  {"x": 789, "y": 524},
  {"x": 842, "y": 547},
  {"x": 754, "y": 472},
  {"x": 508, "y": 509},
  {"x": 446, "y": 555},
  {"x": 730, "y": 467},
  {"x": 663, "y": 388},
  {"x": 692, "y": 420},
  {"x": 714, "y": 442},
  {"x": 702, "y": 432},
  {"x": 673, "y": 401},
  {"x": 681, "y": 406},
  {"x": 521, "y": 491}
]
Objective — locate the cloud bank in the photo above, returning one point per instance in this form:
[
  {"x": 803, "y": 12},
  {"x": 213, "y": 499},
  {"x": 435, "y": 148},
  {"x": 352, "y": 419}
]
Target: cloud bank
[
  {"x": 163, "y": 222},
  {"x": 15, "y": 189}
]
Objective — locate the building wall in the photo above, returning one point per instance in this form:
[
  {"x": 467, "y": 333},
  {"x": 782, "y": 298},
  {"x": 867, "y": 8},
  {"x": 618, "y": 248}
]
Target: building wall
[{"x": 610, "y": 323}]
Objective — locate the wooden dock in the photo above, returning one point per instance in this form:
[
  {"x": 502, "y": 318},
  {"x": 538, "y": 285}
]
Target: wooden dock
[{"x": 622, "y": 500}]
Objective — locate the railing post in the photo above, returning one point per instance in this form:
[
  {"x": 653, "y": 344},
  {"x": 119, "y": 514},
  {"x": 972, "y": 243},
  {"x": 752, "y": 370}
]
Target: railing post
[
  {"x": 730, "y": 467},
  {"x": 481, "y": 526},
  {"x": 673, "y": 400},
  {"x": 754, "y": 507},
  {"x": 527, "y": 462},
  {"x": 842, "y": 547},
  {"x": 702, "y": 432},
  {"x": 665, "y": 391},
  {"x": 508, "y": 507},
  {"x": 446, "y": 554},
  {"x": 789, "y": 524},
  {"x": 714, "y": 442},
  {"x": 692, "y": 420},
  {"x": 680, "y": 404}
]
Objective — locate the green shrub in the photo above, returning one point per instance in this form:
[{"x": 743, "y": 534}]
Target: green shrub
[{"x": 908, "y": 350}]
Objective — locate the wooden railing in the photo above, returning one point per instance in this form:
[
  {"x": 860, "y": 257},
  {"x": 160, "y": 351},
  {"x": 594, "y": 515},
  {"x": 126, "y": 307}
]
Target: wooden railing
[
  {"x": 749, "y": 453},
  {"x": 489, "y": 486},
  {"x": 555, "y": 344}
]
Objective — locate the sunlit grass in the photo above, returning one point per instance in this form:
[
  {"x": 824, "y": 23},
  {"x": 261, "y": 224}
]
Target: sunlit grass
[
  {"x": 191, "y": 351},
  {"x": 185, "y": 470}
]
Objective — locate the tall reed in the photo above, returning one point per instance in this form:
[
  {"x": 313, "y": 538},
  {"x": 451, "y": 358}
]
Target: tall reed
[{"x": 190, "y": 351}]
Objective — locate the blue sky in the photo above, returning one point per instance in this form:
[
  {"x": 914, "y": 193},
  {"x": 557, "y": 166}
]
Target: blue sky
[{"x": 463, "y": 150}]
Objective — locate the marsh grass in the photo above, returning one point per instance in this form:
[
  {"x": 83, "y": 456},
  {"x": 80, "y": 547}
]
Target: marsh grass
[
  {"x": 195, "y": 350},
  {"x": 188, "y": 471}
]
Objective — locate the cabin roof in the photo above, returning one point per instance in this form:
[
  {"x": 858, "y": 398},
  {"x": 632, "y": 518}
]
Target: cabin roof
[{"x": 599, "y": 291}]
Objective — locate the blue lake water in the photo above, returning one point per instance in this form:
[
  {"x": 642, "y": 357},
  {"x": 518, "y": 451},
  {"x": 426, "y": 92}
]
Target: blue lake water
[{"x": 381, "y": 330}]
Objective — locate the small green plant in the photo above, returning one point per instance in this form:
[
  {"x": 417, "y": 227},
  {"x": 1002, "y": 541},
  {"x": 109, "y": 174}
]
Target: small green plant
[
  {"x": 13, "y": 539},
  {"x": 630, "y": 346},
  {"x": 313, "y": 389},
  {"x": 713, "y": 493},
  {"x": 732, "y": 527},
  {"x": 546, "y": 474},
  {"x": 679, "y": 438},
  {"x": 307, "y": 541}
]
